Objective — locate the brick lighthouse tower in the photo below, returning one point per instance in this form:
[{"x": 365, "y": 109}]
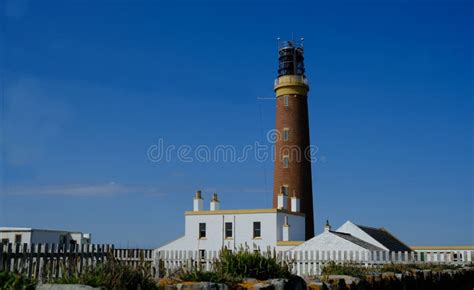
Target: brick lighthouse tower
[{"x": 292, "y": 166}]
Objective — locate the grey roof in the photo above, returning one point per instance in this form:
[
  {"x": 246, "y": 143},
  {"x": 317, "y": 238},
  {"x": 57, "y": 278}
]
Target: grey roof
[
  {"x": 386, "y": 238},
  {"x": 357, "y": 241}
]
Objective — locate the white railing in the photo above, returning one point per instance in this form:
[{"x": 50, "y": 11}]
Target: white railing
[
  {"x": 291, "y": 79},
  {"x": 312, "y": 262}
]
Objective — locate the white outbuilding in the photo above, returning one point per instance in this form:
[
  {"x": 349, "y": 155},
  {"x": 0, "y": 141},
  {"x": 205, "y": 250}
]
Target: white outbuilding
[
  {"x": 352, "y": 237},
  {"x": 17, "y": 235}
]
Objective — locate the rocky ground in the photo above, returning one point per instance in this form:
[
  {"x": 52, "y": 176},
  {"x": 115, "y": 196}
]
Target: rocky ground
[{"x": 461, "y": 279}]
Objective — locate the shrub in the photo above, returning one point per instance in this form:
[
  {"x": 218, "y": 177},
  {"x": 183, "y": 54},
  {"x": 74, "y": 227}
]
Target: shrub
[
  {"x": 349, "y": 269},
  {"x": 244, "y": 263},
  {"x": 15, "y": 281},
  {"x": 232, "y": 267}
]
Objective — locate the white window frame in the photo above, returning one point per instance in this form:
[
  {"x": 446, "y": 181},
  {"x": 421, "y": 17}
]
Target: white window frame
[
  {"x": 16, "y": 238},
  {"x": 231, "y": 230},
  {"x": 286, "y": 100},
  {"x": 205, "y": 231},
  {"x": 286, "y": 161},
  {"x": 286, "y": 134},
  {"x": 259, "y": 230},
  {"x": 284, "y": 189}
]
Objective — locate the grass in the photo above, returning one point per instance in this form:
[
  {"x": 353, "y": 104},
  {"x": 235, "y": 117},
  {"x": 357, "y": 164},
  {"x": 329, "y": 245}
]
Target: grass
[{"x": 16, "y": 281}]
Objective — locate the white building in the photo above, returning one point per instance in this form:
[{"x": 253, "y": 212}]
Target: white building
[
  {"x": 213, "y": 229},
  {"x": 40, "y": 236},
  {"x": 352, "y": 237}
]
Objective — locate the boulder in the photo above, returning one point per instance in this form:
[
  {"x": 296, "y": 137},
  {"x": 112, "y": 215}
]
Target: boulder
[
  {"x": 295, "y": 283},
  {"x": 198, "y": 286},
  {"x": 347, "y": 279},
  {"x": 64, "y": 287}
]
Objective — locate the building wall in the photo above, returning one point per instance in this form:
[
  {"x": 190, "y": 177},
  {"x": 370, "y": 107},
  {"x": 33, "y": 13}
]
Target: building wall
[
  {"x": 242, "y": 230},
  {"x": 47, "y": 237},
  {"x": 37, "y": 236},
  {"x": 10, "y": 235},
  {"x": 297, "y": 227},
  {"x": 271, "y": 231}
]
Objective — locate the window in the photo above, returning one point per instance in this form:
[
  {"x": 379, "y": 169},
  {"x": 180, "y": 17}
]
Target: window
[
  {"x": 284, "y": 189},
  {"x": 286, "y": 133},
  {"x": 63, "y": 239},
  {"x": 228, "y": 230},
  {"x": 257, "y": 230},
  {"x": 202, "y": 230},
  {"x": 17, "y": 239},
  {"x": 285, "y": 161},
  {"x": 5, "y": 241},
  {"x": 285, "y": 101}
]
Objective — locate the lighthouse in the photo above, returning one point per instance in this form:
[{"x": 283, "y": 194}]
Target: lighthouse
[{"x": 292, "y": 165}]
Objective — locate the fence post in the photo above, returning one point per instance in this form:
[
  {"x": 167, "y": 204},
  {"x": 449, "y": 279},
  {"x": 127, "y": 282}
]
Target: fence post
[
  {"x": 8, "y": 258},
  {"x": 56, "y": 256},
  {"x": 30, "y": 260},
  {"x": 2, "y": 245},
  {"x": 47, "y": 263}
]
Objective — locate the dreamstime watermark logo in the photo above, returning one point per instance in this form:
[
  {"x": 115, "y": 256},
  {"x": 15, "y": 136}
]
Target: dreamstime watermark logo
[{"x": 260, "y": 152}]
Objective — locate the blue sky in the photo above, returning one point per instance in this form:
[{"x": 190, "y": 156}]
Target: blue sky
[{"x": 89, "y": 86}]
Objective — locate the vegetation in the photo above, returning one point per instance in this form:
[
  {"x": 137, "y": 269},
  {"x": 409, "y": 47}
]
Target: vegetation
[
  {"x": 233, "y": 267},
  {"x": 112, "y": 275},
  {"x": 360, "y": 271},
  {"x": 15, "y": 281},
  {"x": 401, "y": 268},
  {"x": 349, "y": 269}
]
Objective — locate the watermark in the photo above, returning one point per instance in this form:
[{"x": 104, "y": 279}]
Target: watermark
[{"x": 272, "y": 150}]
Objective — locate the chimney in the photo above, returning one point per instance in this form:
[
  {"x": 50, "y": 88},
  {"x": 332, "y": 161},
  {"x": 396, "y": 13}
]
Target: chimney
[
  {"x": 327, "y": 227},
  {"x": 286, "y": 230},
  {"x": 198, "y": 202},
  {"x": 282, "y": 198},
  {"x": 295, "y": 203},
  {"x": 214, "y": 202}
]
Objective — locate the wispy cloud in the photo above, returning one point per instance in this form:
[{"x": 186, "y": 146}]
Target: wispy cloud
[
  {"x": 33, "y": 119},
  {"x": 107, "y": 189}
]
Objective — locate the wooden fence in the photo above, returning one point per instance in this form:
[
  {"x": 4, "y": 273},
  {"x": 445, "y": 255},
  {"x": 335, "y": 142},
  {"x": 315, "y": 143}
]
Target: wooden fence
[
  {"x": 51, "y": 261},
  {"x": 312, "y": 262}
]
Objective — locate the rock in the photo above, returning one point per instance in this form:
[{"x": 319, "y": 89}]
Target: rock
[
  {"x": 278, "y": 284},
  {"x": 316, "y": 286},
  {"x": 347, "y": 279},
  {"x": 427, "y": 274},
  {"x": 388, "y": 276},
  {"x": 250, "y": 280},
  {"x": 295, "y": 283},
  {"x": 64, "y": 287},
  {"x": 263, "y": 286},
  {"x": 199, "y": 286}
]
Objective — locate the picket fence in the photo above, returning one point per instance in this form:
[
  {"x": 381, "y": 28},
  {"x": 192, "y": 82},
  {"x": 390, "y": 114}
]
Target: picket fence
[
  {"x": 52, "y": 261},
  {"x": 312, "y": 262}
]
